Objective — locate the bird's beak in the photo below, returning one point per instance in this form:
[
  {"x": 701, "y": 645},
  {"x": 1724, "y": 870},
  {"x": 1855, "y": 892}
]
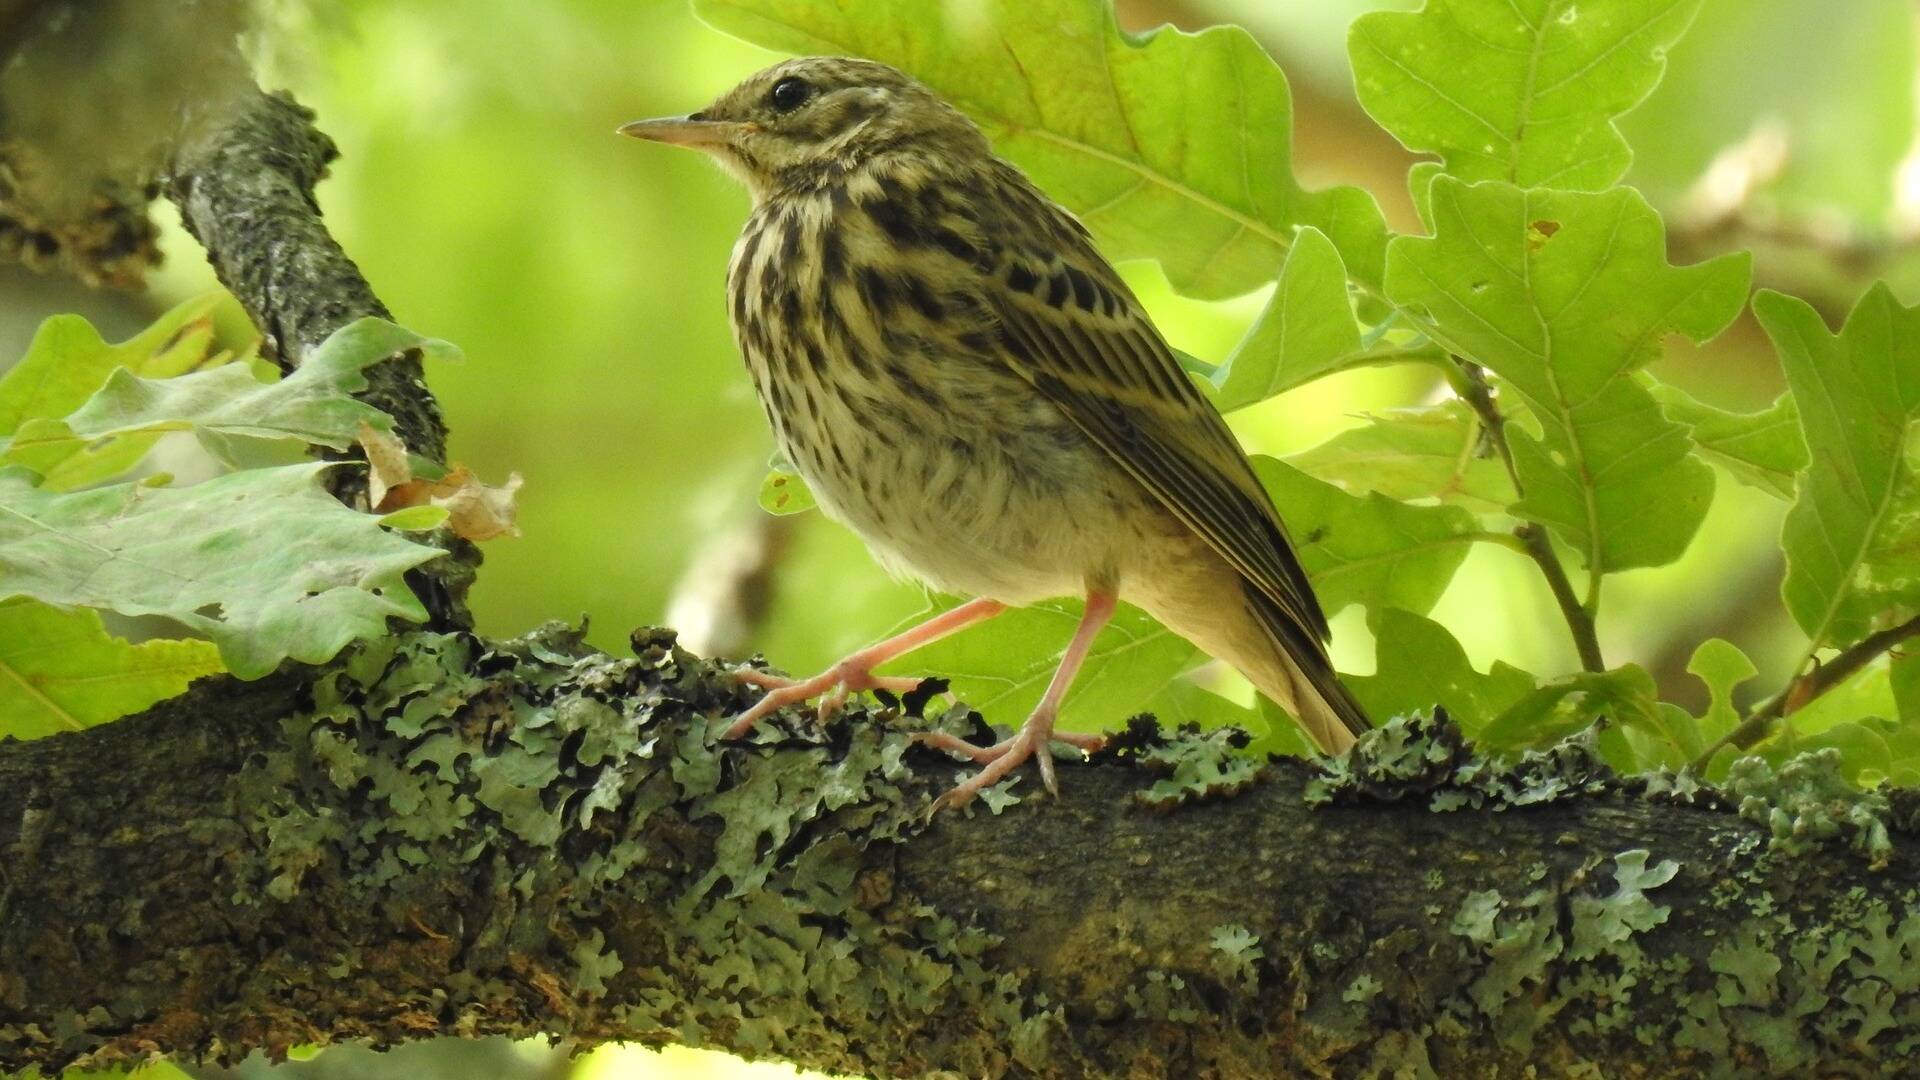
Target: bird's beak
[{"x": 686, "y": 131}]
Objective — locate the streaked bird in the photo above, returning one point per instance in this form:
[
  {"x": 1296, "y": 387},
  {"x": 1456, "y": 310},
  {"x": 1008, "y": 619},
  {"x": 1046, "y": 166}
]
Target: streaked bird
[{"x": 965, "y": 382}]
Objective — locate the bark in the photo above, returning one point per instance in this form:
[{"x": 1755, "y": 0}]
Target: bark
[{"x": 442, "y": 836}]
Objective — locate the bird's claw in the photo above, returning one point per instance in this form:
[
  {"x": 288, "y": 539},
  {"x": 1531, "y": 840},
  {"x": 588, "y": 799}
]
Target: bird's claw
[
  {"x": 1033, "y": 740},
  {"x": 832, "y": 687}
]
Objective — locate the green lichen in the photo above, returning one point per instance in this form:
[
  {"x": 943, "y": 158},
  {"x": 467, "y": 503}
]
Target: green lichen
[
  {"x": 1236, "y": 956},
  {"x": 574, "y": 786},
  {"x": 1199, "y": 766},
  {"x": 1426, "y": 758},
  {"x": 1807, "y": 803}
]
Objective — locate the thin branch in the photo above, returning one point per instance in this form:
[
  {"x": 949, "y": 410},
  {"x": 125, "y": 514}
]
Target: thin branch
[
  {"x": 1473, "y": 387},
  {"x": 1807, "y": 686}
]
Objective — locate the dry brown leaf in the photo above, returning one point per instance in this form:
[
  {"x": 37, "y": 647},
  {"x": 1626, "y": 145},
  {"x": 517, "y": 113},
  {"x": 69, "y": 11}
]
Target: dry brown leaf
[
  {"x": 388, "y": 468},
  {"x": 475, "y": 511}
]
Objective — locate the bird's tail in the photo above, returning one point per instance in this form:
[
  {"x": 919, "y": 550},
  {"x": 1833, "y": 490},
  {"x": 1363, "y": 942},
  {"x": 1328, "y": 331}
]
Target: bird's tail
[{"x": 1299, "y": 677}]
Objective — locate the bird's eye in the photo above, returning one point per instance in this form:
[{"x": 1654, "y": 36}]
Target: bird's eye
[{"x": 790, "y": 93}]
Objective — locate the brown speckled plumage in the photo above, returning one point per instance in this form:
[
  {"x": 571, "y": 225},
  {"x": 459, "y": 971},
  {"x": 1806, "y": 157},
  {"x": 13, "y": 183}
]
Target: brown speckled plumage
[{"x": 965, "y": 382}]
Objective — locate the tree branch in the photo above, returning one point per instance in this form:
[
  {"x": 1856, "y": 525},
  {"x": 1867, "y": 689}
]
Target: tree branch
[
  {"x": 243, "y": 180},
  {"x": 1473, "y": 388},
  {"x": 445, "y": 836},
  {"x": 1806, "y": 687}
]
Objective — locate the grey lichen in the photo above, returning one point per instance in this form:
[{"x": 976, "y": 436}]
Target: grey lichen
[
  {"x": 1807, "y": 803},
  {"x": 1198, "y": 765},
  {"x": 1426, "y": 758}
]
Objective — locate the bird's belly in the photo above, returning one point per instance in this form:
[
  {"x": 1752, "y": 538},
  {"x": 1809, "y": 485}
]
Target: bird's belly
[{"x": 981, "y": 488}]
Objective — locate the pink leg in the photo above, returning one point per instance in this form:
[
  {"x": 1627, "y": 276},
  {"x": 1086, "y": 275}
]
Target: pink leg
[
  {"x": 855, "y": 672},
  {"x": 1034, "y": 736}
]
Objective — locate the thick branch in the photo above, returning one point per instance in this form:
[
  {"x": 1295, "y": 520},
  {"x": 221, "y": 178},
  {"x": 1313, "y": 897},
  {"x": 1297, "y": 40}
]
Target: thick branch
[
  {"x": 243, "y": 179},
  {"x": 439, "y": 836}
]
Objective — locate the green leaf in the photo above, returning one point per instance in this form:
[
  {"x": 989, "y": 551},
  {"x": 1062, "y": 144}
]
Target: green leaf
[
  {"x": 1564, "y": 295},
  {"x": 1761, "y": 450},
  {"x": 1524, "y": 91},
  {"x": 1625, "y": 697},
  {"x": 1722, "y": 666},
  {"x": 1003, "y": 668},
  {"x": 1873, "y": 750},
  {"x": 1435, "y": 452},
  {"x": 1418, "y": 665},
  {"x": 1903, "y": 673},
  {"x": 313, "y": 404},
  {"x": 1303, "y": 333},
  {"x": 415, "y": 518},
  {"x": 1169, "y": 145},
  {"x": 1366, "y": 549},
  {"x": 1854, "y": 527},
  {"x": 784, "y": 492},
  {"x": 265, "y": 562},
  {"x": 68, "y": 361},
  {"x": 61, "y": 671}
]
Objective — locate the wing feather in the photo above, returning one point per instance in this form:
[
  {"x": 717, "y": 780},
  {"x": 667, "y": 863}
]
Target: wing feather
[{"x": 1084, "y": 341}]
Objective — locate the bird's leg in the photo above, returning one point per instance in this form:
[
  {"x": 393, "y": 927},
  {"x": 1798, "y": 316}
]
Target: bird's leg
[
  {"x": 1035, "y": 737},
  {"x": 854, "y": 672}
]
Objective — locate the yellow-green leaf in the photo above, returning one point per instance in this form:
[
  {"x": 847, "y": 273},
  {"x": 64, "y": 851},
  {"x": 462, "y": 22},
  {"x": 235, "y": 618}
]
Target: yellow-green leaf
[{"x": 61, "y": 671}]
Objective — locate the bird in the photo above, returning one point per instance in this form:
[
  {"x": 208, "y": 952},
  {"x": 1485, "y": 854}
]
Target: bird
[{"x": 963, "y": 380}]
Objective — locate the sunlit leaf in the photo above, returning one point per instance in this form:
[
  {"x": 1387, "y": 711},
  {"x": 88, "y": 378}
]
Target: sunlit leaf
[
  {"x": 1903, "y": 673},
  {"x": 1418, "y": 665},
  {"x": 1854, "y": 527},
  {"x": 785, "y": 492},
  {"x": 1722, "y": 666},
  {"x": 61, "y": 671},
  {"x": 1524, "y": 91},
  {"x": 1303, "y": 333},
  {"x": 312, "y": 404},
  {"x": 68, "y": 361},
  {"x": 1169, "y": 145},
  {"x": 1763, "y": 450},
  {"x": 1003, "y": 667},
  {"x": 265, "y": 562},
  {"x": 1366, "y": 549},
  {"x": 1564, "y": 295},
  {"x": 1436, "y": 452}
]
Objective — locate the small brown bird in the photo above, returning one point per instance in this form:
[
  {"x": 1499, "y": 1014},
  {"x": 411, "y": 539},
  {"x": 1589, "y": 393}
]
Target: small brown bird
[{"x": 965, "y": 382}]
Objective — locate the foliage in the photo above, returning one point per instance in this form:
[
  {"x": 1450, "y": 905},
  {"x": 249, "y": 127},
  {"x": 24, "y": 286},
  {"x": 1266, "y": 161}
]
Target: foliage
[{"x": 262, "y": 561}]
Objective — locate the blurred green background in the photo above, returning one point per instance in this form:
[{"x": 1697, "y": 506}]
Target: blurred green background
[{"x": 486, "y": 197}]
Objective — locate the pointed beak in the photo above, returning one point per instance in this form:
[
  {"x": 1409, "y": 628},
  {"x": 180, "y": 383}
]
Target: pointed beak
[{"x": 686, "y": 131}]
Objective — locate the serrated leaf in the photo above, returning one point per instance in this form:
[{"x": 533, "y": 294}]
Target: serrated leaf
[
  {"x": 313, "y": 404},
  {"x": 1722, "y": 666},
  {"x": 785, "y": 492},
  {"x": 1564, "y": 295},
  {"x": 1524, "y": 91},
  {"x": 1418, "y": 665},
  {"x": 1854, "y": 527},
  {"x": 1169, "y": 145},
  {"x": 1436, "y": 452},
  {"x": 264, "y": 562},
  {"x": 1762, "y": 450},
  {"x": 1366, "y": 549},
  {"x": 1003, "y": 668},
  {"x": 1304, "y": 331},
  {"x": 61, "y": 671}
]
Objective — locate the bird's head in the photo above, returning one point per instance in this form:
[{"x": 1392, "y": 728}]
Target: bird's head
[{"x": 803, "y": 122}]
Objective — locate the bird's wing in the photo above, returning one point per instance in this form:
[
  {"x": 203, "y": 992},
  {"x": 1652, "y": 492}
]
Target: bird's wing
[{"x": 1075, "y": 330}]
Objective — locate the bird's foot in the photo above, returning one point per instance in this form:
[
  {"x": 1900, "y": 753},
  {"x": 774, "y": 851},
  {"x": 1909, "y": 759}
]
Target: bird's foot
[
  {"x": 1033, "y": 740},
  {"x": 831, "y": 686}
]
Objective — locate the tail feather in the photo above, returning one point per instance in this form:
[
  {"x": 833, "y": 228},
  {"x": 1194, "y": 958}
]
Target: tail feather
[{"x": 1302, "y": 680}]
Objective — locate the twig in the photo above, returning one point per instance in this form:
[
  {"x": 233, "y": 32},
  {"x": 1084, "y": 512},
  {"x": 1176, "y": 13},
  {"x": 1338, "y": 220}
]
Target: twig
[
  {"x": 1475, "y": 391},
  {"x": 1804, "y": 688}
]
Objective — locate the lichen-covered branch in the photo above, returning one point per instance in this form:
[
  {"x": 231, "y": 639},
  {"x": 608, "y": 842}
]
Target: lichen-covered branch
[{"x": 439, "y": 835}]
